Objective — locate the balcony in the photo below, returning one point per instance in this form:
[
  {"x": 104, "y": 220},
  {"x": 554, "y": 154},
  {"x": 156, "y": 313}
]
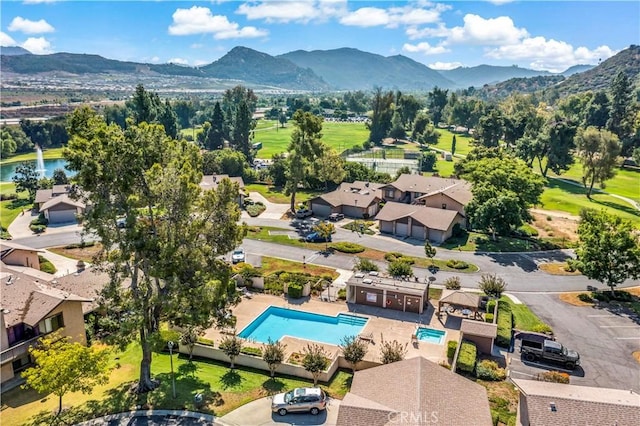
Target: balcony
[{"x": 16, "y": 351}]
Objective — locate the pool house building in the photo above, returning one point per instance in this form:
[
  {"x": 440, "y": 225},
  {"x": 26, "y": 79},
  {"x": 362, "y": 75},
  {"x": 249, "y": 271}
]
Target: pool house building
[{"x": 405, "y": 295}]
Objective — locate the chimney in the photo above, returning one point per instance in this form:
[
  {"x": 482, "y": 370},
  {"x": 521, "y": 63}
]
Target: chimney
[{"x": 552, "y": 406}]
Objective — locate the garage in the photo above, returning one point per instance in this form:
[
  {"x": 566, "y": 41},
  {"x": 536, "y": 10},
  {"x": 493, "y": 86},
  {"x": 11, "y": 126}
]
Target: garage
[
  {"x": 62, "y": 216},
  {"x": 386, "y": 227},
  {"x": 62, "y": 209},
  {"x": 351, "y": 211},
  {"x": 321, "y": 209},
  {"x": 418, "y": 231},
  {"x": 402, "y": 229}
]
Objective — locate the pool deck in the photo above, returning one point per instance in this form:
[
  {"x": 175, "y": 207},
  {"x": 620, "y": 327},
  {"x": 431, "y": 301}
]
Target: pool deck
[{"x": 383, "y": 323}]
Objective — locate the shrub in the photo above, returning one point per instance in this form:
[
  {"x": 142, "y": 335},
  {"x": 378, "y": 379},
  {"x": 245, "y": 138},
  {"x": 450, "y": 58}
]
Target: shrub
[
  {"x": 452, "y": 283},
  {"x": 526, "y": 231},
  {"x": 399, "y": 268},
  {"x": 452, "y": 345},
  {"x": 204, "y": 341},
  {"x": 347, "y": 247},
  {"x": 488, "y": 318},
  {"x": 273, "y": 285},
  {"x": 406, "y": 259},
  {"x": 161, "y": 339},
  {"x": 247, "y": 350},
  {"x": 553, "y": 376},
  {"x": 457, "y": 264},
  {"x": 542, "y": 328},
  {"x": 489, "y": 370},
  {"x": 505, "y": 324},
  {"x": 342, "y": 294},
  {"x": 392, "y": 351},
  {"x": 491, "y": 306},
  {"x": 467, "y": 357},
  {"x": 5, "y": 197},
  {"x": 38, "y": 229},
  {"x": 584, "y": 297},
  {"x": 40, "y": 220},
  {"x": 392, "y": 255},
  {"x": 492, "y": 285},
  {"x": 81, "y": 244},
  {"x": 366, "y": 265},
  {"x": 458, "y": 231},
  {"x": 294, "y": 290},
  {"x": 255, "y": 209},
  {"x": 47, "y": 266}
]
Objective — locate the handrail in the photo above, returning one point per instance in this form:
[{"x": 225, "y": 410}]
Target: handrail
[{"x": 13, "y": 352}]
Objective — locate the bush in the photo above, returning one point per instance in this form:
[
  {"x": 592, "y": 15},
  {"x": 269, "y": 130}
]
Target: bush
[
  {"x": 38, "y": 229},
  {"x": 273, "y": 285},
  {"x": 553, "y": 376},
  {"x": 40, "y": 220},
  {"x": 247, "y": 350},
  {"x": 492, "y": 285},
  {"x": 5, "y": 197},
  {"x": 392, "y": 255},
  {"x": 342, "y": 294},
  {"x": 491, "y": 306},
  {"x": 162, "y": 338},
  {"x": 526, "y": 231},
  {"x": 82, "y": 244},
  {"x": 467, "y": 357},
  {"x": 458, "y": 231},
  {"x": 204, "y": 341},
  {"x": 584, "y": 297},
  {"x": 505, "y": 324},
  {"x": 398, "y": 268},
  {"x": 366, "y": 265},
  {"x": 255, "y": 209},
  {"x": 457, "y": 264},
  {"x": 452, "y": 345},
  {"x": 294, "y": 290},
  {"x": 452, "y": 283},
  {"x": 488, "y": 318},
  {"x": 47, "y": 266},
  {"x": 489, "y": 370},
  {"x": 542, "y": 328},
  {"x": 347, "y": 247}
]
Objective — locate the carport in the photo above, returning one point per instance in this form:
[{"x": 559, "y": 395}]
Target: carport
[{"x": 461, "y": 300}]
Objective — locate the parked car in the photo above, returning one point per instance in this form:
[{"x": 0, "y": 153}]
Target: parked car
[
  {"x": 302, "y": 213},
  {"x": 238, "y": 255},
  {"x": 314, "y": 237},
  {"x": 313, "y": 400},
  {"x": 546, "y": 350},
  {"x": 334, "y": 217}
]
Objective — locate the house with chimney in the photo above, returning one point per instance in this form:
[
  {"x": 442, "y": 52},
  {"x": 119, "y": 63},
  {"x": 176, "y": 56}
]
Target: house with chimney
[{"x": 57, "y": 205}]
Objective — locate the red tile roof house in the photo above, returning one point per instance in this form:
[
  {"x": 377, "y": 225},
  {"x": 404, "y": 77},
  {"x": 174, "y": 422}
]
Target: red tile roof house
[
  {"x": 57, "y": 206},
  {"x": 551, "y": 404},
  {"x": 30, "y": 309},
  {"x": 359, "y": 200},
  {"x": 413, "y": 392}
]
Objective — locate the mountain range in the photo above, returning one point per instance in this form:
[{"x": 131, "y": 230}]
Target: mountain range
[{"x": 320, "y": 70}]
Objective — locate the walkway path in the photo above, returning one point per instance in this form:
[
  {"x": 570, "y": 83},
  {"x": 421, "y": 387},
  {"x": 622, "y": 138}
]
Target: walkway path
[{"x": 273, "y": 211}]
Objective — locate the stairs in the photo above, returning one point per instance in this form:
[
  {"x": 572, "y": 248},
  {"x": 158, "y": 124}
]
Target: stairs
[{"x": 351, "y": 320}]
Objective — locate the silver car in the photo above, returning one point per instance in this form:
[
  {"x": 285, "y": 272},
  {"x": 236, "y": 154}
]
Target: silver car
[{"x": 300, "y": 399}]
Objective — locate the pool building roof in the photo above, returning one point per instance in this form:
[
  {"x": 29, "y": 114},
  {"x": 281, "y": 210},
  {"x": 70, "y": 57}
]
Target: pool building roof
[{"x": 385, "y": 283}]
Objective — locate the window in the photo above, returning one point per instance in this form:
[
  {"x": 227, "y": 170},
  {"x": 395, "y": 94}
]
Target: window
[
  {"x": 372, "y": 297},
  {"x": 51, "y": 324},
  {"x": 389, "y": 193},
  {"x": 444, "y": 206}
]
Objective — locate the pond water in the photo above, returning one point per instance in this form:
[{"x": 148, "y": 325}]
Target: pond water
[{"x": 7, "y": 171}]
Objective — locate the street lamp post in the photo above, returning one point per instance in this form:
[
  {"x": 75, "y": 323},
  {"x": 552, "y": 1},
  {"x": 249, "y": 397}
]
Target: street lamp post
[{"x": 173, "y": 379}]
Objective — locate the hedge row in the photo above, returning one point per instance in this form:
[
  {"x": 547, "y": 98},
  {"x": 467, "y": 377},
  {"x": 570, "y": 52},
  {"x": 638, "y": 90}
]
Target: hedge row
[
  {"x": 505, "y": 324},
  {"x": 452, "y": 345},
  {"x": 467, "y": 357},
  {"x": 294, "y": 290},
  {"x": 347, "y": 247}
]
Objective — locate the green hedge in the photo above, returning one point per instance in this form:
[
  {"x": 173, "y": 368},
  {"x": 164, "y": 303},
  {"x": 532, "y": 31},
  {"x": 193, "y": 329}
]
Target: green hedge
[
  {"x": 452, "y": 345},
  {"x": 251, "y": 351},
  {"x": 392, "y": 255},
  {"x": 347, "y": 247},
  {"x": 489, "y": 370},
  {"x": 457, "y": 264},
  {"x": 342, "y": 294},
  {"x": 488, "y": 318},
  {"x": 46, "y": 265},
  {"x": 491, "y": 305},
  {"x": 505, "y": 324},
  {"x": 467, "y": 357},
  {"x": 294, "y": 290},
  {"x": 204, "y": 341},
  {"x": 160, "y": 340}
]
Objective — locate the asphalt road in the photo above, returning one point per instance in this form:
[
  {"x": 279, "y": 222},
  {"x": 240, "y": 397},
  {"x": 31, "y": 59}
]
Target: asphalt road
[
  {"x": 258, "y": 413},
  {"x": 605, "y": 341}
]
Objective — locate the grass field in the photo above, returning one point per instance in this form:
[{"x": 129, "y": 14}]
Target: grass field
[
  {"x": 463, "y": 143},
  {"x": 625, "y": 183},
  {"x": 523, "y": 317},
  {"x": 223, "y": 390},
  {"x": 10, "y": 209},
  {"x": 273, "y": 264},
  {"x": 47, "y": 154},
  {"x": 277, "y": 195}
]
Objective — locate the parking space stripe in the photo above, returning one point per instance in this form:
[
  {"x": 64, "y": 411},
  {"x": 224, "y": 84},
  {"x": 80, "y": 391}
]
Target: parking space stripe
[
  {"x": 627, "y": 338},
  {"x": 620, "y": 326},
  {"x": 598, "y": 316}
]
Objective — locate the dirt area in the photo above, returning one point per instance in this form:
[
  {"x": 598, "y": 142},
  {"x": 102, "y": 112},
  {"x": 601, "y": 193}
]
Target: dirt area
[
  {"x": 557, "y": 268},
  {"x": 86, "y": 254},
  {"x": 636, "y": 355},
  {"x": 556, "y": 225},
  {"x": 572, "y": 299},
  {"x": 633, "y": 290}
]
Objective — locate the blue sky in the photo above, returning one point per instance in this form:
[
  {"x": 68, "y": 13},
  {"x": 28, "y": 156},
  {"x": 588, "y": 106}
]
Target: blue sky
[{"x": 545, "y": 35}]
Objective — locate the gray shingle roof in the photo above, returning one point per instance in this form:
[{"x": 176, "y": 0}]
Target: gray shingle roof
[
  {"x": 212, "y": 181},
  {"x": 423, "y": 184},
  {"x": 430, "y": 217},
  {"x": 416, "y": 391},
  {"x": 479, "y": 328},
  {"x": 576, "y": 405},
  {"x": 62, "y": 199},
  {"x": 357, "y": 194},
  {"x": 88, "y": 284}
]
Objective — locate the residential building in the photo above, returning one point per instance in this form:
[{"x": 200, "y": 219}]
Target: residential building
[
  {"x": 57, "y": 205},
  {"x": 413, "y": 392},
  {"x": 417, "y": 221},
  {"x": 212, "y": 182},
  {"x": 356, "y": 200},
  {"x": 409, "y": 187},
  {"x": 19, "y": 255}
]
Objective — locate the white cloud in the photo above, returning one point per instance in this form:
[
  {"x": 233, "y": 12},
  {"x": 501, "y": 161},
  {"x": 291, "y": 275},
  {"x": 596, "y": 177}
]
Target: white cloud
[
  {"x": 199, "y": 62},
  {"x": 415, "y": 33},
  {"x": 500, "y": 2},
  {"x": 155, "y": 59},
  {"x": 30, "y": 27},
  {"x": 37, "y": 45},
  {"x": 200, "y": 20},
  {"x": 550, "y": 55},
  {"x": 366, "y": 17},
  {"x": 445, "y": 65},
  {"x": 493, "y": 31},
  {"x": 424, "y": 48},
  {"x": 178, "y": 61},
  {"x": 293, "y": 11},
  {"x": 6, "y": 40},
  {"x": 38, "y": 1},
  {"x": 425, "y": 13}
]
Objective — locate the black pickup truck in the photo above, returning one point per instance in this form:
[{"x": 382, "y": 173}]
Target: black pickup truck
[{"x": 546, "y": 350}]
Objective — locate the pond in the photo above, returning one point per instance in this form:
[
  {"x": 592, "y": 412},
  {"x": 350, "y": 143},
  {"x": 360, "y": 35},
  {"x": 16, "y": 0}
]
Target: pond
[{"x": 7, "y": 171}]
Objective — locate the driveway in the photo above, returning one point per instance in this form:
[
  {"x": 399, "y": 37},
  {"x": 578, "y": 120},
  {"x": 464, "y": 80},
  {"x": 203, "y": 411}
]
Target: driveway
[
  {"x": 258, "y": 413},
  {"x": 274, "y": 210},
  {"x": 605, "y": 341}
]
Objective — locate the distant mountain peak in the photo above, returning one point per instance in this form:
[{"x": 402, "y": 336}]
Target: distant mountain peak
[{"x": 13, "y": 50}]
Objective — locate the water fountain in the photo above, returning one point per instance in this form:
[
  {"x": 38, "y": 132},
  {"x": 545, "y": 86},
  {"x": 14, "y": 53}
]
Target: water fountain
[{"x": 40, "y": 162}]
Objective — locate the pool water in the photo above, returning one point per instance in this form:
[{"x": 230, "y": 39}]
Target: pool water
[
  {"x": 275, "y": 322},
  {"x": 430, "y": 335}
]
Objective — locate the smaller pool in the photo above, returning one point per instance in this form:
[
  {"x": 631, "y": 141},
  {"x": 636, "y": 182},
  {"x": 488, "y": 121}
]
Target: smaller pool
[{"x": 431, "y": 335}]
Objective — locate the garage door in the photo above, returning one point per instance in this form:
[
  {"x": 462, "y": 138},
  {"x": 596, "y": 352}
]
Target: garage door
[
  {"x": 417, "y": 231},
  {"x": 402, "y": 229},
  {"x": 321, "y": 210},
  {"x": 386, "y": 227},
  {"x": 62, "y": 216},
  {"x": 351, "y": 211}
]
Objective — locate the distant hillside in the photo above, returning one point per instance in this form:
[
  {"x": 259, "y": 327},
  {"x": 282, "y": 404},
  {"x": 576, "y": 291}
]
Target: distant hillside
[
  {"x": 242, "y": 63},
  {"x": 518, "y": 85},
  {"x": 576, "y": 69},
  {"x": 353, "y": 69},
  {"x": 601, "y": 76},
  {"x": 480, "y": 75},
  {"x": 13, "y": 51}
]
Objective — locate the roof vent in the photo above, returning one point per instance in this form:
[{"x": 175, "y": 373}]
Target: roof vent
[
  {"x": 367, "y": 281},
  {"x": 552, "y": 406},
  {"x": 10, "y": 280}
]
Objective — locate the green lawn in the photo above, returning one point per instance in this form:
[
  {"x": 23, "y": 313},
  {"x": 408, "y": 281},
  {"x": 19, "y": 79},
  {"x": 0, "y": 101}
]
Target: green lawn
[
  {"x": 523, "y": 317},
  {"x": 463, "y": 143},
  {"x": 569, "y": 198},
  {"x": 223, "y": 389},
  {"x": 10, "y": 209},
  {"x": 443, "y": 168},
  {"x": 277, "y": 195},
  {"x": 475, "y": 241},
  {"x": 625, "y": 183},
  {"x": 47, "y": 154}
]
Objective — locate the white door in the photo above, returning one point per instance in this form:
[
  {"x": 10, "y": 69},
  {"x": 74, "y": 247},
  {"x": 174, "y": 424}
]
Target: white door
[
  {"x": 402, "y": 229},
  {"x": 62, "y": 216}
]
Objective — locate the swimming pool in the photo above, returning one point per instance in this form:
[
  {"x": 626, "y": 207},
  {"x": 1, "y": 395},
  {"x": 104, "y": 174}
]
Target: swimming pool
[
  {"x": 276, "y": 322},
  {"x": 431, "y": 335}
]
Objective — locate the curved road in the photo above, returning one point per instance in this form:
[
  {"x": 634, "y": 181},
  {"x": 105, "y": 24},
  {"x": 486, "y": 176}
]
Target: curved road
[{"x": 519, "y": 270}]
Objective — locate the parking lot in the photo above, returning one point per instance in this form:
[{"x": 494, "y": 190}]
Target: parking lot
[{"x": 605, "y": 341}]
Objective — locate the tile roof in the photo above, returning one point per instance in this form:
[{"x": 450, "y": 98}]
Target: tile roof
[
  {"x": 62, "y": 199},
  {"x": 417, "y": 391},
  {"x": 545, "y": 403},
  {"x": 356, "y": 194},
  {"x": 430, "y": 217},
  {"x": 479, "y": 328}
]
